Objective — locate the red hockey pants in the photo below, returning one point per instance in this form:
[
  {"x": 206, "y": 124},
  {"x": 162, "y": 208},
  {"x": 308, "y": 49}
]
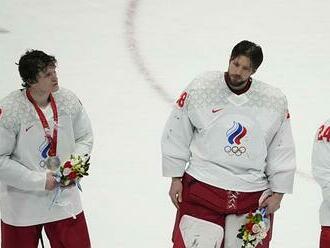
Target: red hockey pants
[
  {"x": 325, "y": 237},
  {"x": 206, "y": 202},
  {"x": 67, "y": 233}
]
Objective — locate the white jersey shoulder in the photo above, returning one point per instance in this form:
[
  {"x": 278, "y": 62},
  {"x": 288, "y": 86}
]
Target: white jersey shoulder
[
  {"x": 210, "y": 88},
  {"x": 206, "y": 89},
  {"x": 326, "y": 123},
  {"x": 67, "y": 102},
  {"x": 11, "y": 108},
  {"x": 209, "y": 79},
  {"x": 16, "y": 110},
  {"x": 266, "y": 96}
]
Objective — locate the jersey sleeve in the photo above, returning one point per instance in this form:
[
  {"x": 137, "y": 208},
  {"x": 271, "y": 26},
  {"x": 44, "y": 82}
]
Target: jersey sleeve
[
  {"x": 83, "y": 133},
  {"x": 321, "y": 159},
  {"x": 176, "y": 139},
  {"x": 13, "y": 173},
  {"x": 281, "y": 159},
  {"x": 81, "y": 125}
]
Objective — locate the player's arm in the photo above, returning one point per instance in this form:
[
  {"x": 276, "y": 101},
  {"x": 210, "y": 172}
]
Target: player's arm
[
  {"x": 281, "y": 159},
  {"x": 176, "y": 139},
  {"x": 83, "y": 133},
  {"x": 281, "y": 165},
  {"x": 175, "y": 143},
  {"x": 321, "y": 159},
  {"x": 12, "y": 172}
]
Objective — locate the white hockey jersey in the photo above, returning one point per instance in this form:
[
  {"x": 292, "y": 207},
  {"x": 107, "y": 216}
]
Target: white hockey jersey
[
  {"x": 23, "y": 198},
  {"x": 321, "y": 169},
  {"x": 235, "y": 142}
]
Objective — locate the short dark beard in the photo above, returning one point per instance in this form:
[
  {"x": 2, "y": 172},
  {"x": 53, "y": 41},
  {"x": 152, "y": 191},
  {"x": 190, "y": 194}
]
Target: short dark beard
[{"x": 237, "y": 85}]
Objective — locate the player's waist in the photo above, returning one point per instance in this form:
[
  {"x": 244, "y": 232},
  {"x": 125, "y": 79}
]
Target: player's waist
[{"x": 247, "y": 180}]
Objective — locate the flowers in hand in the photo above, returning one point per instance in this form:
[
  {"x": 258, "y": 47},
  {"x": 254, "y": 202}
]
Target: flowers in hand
[
  {"x": 254, "y": 230},
  {"x": 74, "y": 169}
]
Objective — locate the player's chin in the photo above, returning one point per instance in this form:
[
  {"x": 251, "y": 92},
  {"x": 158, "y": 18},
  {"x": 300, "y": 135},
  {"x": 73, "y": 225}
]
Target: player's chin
[
  {"x": 235, "y": 80},
  {"x": 55, "y": 88}
]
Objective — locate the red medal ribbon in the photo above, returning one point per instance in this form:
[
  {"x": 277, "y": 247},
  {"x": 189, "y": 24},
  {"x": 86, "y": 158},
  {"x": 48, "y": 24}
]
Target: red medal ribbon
[{"x": 52, "y": 140}]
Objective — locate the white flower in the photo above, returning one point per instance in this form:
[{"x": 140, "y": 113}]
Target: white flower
[
  {"x": 261, "y": 235},
  {"x": 251, "y": 237},
  {"x": 255, "y": 242},
  {"x": 256, "y": 228},
  {"x": 75, "y": 161},
  {"x": 66, "y": 182},
  {"x": 267, "y": 224},
  {"x": 249, "y": 245},
  {"x": 66, "y": 171},
  {"x": 263, "y": 226}
]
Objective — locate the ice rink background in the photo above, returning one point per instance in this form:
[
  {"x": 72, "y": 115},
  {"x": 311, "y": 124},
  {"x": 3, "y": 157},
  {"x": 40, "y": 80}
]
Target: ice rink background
[{"x": 128, "y": 60}]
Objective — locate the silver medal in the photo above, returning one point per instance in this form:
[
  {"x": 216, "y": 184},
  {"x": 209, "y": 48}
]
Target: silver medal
[{"x": 53, "y": 163}]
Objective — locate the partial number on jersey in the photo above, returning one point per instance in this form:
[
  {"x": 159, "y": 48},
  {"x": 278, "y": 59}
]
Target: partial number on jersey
[
  {"x": 180, "y": 102},
  {"x": 323, "y": 133}
]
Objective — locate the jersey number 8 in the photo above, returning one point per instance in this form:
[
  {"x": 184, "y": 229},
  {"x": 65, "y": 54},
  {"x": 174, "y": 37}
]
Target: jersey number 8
[{"x": 182, "y": 99}]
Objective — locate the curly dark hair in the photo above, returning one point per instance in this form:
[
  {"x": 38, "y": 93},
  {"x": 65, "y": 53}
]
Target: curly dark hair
[
  {"x": 33, "y": 62},
  {"x": 250, "y": 50}
]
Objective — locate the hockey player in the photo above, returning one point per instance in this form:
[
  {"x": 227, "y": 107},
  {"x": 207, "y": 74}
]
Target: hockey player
[
  {"x": 40, "y": 126},
  {"x": 321, "y": 173},
  {"x": 226, "y": 145}
]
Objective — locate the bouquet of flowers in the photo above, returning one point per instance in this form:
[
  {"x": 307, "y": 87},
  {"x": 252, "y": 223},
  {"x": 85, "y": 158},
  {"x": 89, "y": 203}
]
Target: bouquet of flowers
[
  {"x": 255, "y": 229},
  {"x": 69, "y": 174},
  {"x": 73, "y": 170}
]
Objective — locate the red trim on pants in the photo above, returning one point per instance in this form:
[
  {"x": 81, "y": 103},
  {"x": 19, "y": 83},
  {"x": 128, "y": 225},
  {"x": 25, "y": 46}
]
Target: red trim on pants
[
  {"x": 67, "y": 233},
  {"x": 213, "y": 204},
  {"x": 325, "y": 237},
  {"x": 178, "y": 240}
]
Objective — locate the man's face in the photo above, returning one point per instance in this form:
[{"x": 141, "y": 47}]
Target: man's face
[
  {"x": 239, "y": 70},
  {"x": 46, "y": 81}
]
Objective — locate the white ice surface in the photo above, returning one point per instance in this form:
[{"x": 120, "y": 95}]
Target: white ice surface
[{"x": 126, "y": 59}]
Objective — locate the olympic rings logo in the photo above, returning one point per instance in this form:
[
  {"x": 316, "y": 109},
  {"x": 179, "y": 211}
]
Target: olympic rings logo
[
  {"x": 237, "y": 150},
  {"x": 42, "y": 164}
]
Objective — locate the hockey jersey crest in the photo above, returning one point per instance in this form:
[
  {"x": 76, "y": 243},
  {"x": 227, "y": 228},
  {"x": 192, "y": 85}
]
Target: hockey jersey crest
[{"x": 234, "y": 136}]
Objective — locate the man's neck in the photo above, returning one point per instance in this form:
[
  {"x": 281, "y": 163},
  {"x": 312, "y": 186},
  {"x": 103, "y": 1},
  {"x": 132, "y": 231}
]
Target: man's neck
[
  {"x": 238, "y": 89},
  {"x": 41, "y": 98}
]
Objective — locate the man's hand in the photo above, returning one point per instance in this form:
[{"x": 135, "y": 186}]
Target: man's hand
[
  {"x": 176, "y": 191},
  {"x": 50, "y": 181},
  {"x": 272, "y": 203}
]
